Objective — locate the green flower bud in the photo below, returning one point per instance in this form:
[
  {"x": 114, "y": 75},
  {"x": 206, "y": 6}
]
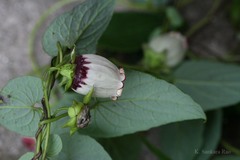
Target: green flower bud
[
  {"x": 71, "y": 112},
  {"x": 71, "y": 122},
  {"x": 74, "y": 110}
]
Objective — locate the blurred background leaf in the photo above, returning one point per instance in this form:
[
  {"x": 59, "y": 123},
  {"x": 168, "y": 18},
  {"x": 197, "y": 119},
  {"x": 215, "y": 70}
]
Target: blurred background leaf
[
  {"x": 128, "y": 31},
  {"x": 211, "y": 135},
  {"x": 181, "y": 140},
  {"x": 126, "y": 147},
  {"x": 211, "y": 84}
]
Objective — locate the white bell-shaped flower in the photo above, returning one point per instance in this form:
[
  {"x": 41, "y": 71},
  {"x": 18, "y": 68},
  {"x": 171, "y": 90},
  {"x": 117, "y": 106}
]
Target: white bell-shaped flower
[{"x": 101, "y": 74}]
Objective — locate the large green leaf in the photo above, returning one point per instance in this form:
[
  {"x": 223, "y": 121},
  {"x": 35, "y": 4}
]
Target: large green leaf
[
  {"x": 146, "y": 102},
  {"x": 123, "y": 148},
  {"x": 17, "y": 110},
  {"x": 128, "y": 31},
  {"x": 80, "y": 147},
  {"x": 82, "y": 26},
  {"x": 181, "y": 139},
  {"x": 211, "y": 84},
  {"x": 211, "y": 135}
]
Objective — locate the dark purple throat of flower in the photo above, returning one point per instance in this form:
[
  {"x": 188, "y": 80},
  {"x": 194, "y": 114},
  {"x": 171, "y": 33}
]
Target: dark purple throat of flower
[{"x": 80, "y": 72}]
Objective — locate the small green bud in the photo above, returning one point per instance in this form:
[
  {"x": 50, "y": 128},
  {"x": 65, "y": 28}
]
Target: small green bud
[
  {"x": 71, "y": 112},
  {"x": 67, "y": 70},
  {"x": 75, "y": 109},
  {"x": 71, "y": 122},
  {"x": 153, "y": 59},
  {"x": 87, "y": 98},
  {"x": 78, "y": 106}
]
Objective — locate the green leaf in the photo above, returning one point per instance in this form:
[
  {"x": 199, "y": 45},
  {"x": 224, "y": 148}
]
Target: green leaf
[
  {"x": 18, "y": 112},
  {"x": 123, "y": 148},
  {"x": 181, "y": 139},
  {"x": 211, "y": 136},
  {"x": 27, "y": 156},
  {"x": 146, "y": 102},
  {"x": 128, "y": 31},
  {"x": 174, "y": 17},
  {"x": 211, "y": 84},
  {"x": 80, "y": 147},
  {"x": 55, "y": 145},
  {"x": 81, "y": 26}
]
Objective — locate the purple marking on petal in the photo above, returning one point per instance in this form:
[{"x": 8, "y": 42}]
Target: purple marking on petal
[{"x": 80, "y": 72}]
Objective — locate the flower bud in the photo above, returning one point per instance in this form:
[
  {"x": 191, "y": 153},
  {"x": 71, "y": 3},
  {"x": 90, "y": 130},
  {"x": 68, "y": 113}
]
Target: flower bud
[
  {"x": 83, "y": 117},
  {"x": 171, "y": 45},
  {"x": 93, "y": 71},
  {"x": 71, "y": 122}
]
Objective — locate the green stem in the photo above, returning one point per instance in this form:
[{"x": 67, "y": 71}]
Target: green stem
[
  {"x": 230, "y": 147},
  {"x": 46, "y": 141},
  {"x": 47, "y": 90},
  {"x": 38, "y": 147},
  {"x": 59, "y": 110},
  {"x": 53, "y": 119},
  {"x": 46, "y": 115},
  {"x": 204, "y": 21}
]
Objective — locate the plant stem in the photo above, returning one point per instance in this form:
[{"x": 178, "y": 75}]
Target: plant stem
[
  {"x": 38, "y": 147},
  {"x": 230, "y": 147},
  {"x": 204, "y": 20},
  {"x": 53, "y": 119},
  {"x": 47, "y": 87},
  {"x": 60, "y": 109},
  {"x": 46, "y": 141},
  {"x": 47, "y": 91}
]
